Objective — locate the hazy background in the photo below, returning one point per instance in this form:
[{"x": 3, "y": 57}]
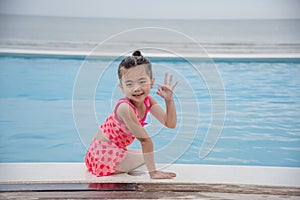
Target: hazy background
[
  {"x": 231, "y": 26},
  {"x": 156, "y": 9}
]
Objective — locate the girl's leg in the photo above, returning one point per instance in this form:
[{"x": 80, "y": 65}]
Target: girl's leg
[{"x": 133, "y": 160}]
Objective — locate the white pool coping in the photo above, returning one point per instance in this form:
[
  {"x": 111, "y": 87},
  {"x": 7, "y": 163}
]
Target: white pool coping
[
  {"x": 20, "y": 173},
  {"x": 191, "y": 55}
]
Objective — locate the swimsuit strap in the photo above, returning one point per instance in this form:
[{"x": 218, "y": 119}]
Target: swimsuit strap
[
  {"x": 147, "y": 103},
  {"x": 125, "y": 100}
]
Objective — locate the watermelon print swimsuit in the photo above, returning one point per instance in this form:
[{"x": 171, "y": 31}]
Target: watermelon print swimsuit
[{"x": 102, "y": 158}]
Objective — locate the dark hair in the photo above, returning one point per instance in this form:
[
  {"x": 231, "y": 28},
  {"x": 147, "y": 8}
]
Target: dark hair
[{"x": 132, "y": 61}]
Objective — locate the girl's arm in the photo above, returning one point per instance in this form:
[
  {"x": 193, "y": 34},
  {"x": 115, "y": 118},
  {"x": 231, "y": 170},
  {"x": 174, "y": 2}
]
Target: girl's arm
[
  {"x": 168, "y": 118},
  {"x": 127, "y": 115}
]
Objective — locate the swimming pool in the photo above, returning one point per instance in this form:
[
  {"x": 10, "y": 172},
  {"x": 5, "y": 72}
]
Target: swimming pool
[{"x": 262, "y": 124}]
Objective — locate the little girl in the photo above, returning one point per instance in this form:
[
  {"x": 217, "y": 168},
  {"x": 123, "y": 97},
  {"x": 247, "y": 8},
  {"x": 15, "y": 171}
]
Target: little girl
[{"x": 107, "y": 153}]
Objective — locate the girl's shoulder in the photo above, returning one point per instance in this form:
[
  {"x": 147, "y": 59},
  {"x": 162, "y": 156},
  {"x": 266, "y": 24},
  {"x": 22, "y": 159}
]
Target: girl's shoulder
[
  {"x": 124, "y": 103},
  {"x": 122, "y": 108},
  {"x": 152, "y": 101}
]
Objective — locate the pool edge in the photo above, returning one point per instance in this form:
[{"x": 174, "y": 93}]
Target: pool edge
[
  {"x": 111, "y": 55},
  {"x": 39, "y": 173}
]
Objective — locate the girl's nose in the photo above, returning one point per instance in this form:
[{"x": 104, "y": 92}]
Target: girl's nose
[{"x": 136, "y": 87}]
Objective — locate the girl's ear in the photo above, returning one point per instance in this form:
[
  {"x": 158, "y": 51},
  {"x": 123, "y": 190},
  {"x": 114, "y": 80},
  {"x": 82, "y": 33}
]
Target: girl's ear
[
  {"x": 152, "y": 83},
  {"x": 121, "y": 86}
]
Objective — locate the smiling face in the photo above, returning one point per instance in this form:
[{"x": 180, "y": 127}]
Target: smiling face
[{"x": 136, "y": 83}]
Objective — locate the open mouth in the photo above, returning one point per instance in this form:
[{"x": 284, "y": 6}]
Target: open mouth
[{"x": 138, "y": 95}]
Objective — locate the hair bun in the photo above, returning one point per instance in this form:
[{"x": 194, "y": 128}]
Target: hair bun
[{"x": 137, "y": 53}]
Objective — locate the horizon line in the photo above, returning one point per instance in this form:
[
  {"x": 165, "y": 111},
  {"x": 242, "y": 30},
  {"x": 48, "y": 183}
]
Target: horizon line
[{"x": 143, "y": 18}]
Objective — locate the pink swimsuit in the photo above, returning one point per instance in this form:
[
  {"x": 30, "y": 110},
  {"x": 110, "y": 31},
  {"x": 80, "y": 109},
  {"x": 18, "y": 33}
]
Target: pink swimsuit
[{"x": 102, "y": 158}]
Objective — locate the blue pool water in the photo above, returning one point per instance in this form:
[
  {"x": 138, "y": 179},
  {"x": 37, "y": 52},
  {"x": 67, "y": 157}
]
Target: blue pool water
[{"x": 262, "y": 124}]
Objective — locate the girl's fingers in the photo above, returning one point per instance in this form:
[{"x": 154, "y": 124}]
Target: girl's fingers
[
  {"x": 166, "y": 78},
  {"x": 171, "y": 78},
  {"x": 163, "y": 175},
  {"x": 173, "y": 87},
  {"x": 172, "y": 174},
  {"x": 170, "y": 81},
  {"x": 159, "y": 90}
]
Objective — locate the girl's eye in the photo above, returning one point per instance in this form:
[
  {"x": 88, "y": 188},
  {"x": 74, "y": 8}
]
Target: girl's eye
[
  {"x": 128, "y": 84},
  {"x": 142, "y": 82}
]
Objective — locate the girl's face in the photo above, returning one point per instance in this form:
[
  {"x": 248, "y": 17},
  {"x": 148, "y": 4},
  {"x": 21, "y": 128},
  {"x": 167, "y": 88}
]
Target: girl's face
[{"x": 136, "y": 83}]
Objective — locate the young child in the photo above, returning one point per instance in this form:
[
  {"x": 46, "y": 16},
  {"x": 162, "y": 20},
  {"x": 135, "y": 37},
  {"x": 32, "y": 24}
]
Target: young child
[{"x": 107, "y": 153}]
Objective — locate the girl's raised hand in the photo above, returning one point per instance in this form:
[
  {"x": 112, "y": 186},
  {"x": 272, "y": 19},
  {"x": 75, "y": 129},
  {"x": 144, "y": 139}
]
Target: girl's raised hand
[{"x": 166, "y": 90}]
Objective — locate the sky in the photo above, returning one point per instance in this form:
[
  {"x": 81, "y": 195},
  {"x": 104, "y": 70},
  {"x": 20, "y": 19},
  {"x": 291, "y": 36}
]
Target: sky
[{"x": 156, "y": 9}]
